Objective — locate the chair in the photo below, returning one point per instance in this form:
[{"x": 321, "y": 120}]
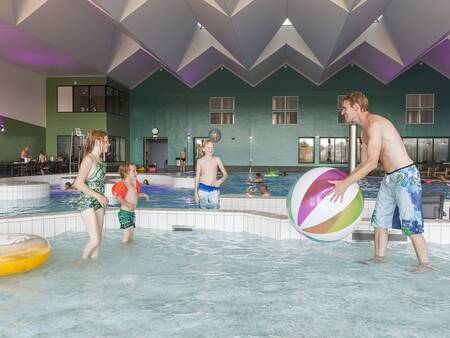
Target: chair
[
  {"x": 445, "y": 174},
  {"x": 427, "y": 172}
]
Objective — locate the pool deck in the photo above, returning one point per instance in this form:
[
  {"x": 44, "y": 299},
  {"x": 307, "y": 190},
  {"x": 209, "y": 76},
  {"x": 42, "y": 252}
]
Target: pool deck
[{"x": 265, "y": 217}]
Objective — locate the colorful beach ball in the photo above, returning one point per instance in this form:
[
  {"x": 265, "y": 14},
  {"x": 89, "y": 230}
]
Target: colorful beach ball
[
  {"x": 215, "y": 135},
  {"x": 312, "y": 212}
]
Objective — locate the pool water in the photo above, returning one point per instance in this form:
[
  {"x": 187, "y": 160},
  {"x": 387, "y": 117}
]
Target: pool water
[
  {"x": 162, "y": 196},
  {"x": 214, "y": 284}
]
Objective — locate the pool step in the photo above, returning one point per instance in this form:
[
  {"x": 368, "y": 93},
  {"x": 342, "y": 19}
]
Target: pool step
[
  {"x": 180, "y": 227},
  {"x": 366, "y": 235}
]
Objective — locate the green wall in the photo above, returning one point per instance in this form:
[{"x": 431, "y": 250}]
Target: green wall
[
  {"x": 163, "y": 101},
  {"x": 16, "y": 136},
  {"x": 64, "y": 123}
]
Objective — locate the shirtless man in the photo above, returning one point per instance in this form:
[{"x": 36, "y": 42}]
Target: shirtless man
[
  {"x": 207, "y": 186},
  {"x": 399, "y": 200},
  {"x": 183, "y": 153}
]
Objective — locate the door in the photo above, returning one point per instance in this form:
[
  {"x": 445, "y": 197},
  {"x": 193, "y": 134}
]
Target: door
[{"x": 156, "y": 151}]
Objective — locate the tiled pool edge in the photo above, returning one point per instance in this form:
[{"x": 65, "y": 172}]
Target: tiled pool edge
[{"x": 253, "y": 222}]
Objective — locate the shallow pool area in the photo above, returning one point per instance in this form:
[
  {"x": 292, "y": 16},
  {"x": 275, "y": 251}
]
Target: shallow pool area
[{"x": 216, "y": 284}]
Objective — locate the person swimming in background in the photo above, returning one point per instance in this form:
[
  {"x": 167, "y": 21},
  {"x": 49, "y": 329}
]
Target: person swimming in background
[
  {"x": 145, "y": 182},
  {"x": 264, "y": 191},
  {"x": 207, "y": 186},
  {"x": 251, "y": 191},
  {"x": 90, "y": 181},
  {"x": 69, "y": 186},
  {"x": 258, "y": 178}
]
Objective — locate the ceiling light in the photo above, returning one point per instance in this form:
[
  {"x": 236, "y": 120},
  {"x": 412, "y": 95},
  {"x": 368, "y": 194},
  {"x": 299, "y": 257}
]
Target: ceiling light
[
  {"x": 2, "y": 128},
  {"x": 379, "y": 18},
  {"x": 200, "y": 26},
  {"x": 287, "y": 22}
]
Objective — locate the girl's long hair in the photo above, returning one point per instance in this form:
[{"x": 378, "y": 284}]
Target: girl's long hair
[{"x": 94, "y": 135}]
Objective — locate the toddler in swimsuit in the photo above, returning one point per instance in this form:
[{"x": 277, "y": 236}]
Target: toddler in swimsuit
[{"x": 128, "y": 190}]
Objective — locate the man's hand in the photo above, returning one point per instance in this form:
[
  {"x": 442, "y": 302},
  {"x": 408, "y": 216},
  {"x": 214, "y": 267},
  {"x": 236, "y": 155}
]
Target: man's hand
[{"x": 339, "y": 190}]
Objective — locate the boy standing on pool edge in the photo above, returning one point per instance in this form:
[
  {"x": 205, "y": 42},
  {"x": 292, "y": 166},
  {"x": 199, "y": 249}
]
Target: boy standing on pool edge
[
  {"x": 399, "y": 200},
  {"x": 207, "y": 187}
]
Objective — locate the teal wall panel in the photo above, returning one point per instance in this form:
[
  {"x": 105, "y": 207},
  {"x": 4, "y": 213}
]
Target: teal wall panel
[{"x": 163, "y": 101}]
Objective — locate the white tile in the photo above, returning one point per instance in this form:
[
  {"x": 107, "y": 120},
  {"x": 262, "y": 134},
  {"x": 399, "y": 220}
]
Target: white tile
[
  {"x": 162, "y": 220},
  {"x": 79, "y": 224},
  {"x": 190, "y": 219},
  {"x": 285, "y": 230},
  {"x": 238, "y": 222},
  {"x": 181, "y": 218},
  {"x": 445, "y": 234},
  {"x": 38, "y": 226},
  {"x": 49, "y": 227},
  {"x": 26, "y": 226},
  {"x": 171, "y": 220},
  {"x": 153, "y": 220},
  {"x": 71, "y": 223},
  {"x": 200, "y": 220},
  {"x": 272, "y": 229},
  {"x": 4, "y": 228},
  {"x": 435, "y": 234},
  {"x": 219, "y": 222},
  {"x": 209, "y": 221}
]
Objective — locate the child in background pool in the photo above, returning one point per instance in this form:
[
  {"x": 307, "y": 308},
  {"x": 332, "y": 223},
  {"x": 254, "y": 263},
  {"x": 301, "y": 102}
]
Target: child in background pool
[
  {"x": 90, "y": 182},
  {"x": 128, "y": 190},
  {"x": 207, "y": 186}
]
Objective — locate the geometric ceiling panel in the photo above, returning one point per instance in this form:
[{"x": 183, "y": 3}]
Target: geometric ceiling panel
[
  {"x": 358, "y": 20},
  {"x": 130, "y": 39},
  {"x": 75, "y": 28},
  {"x": 439, "y": 57},
  {"x": 26, "y": 51},
  {"x": 320, "y": 23},
  {"x": 7, "y": 16},
  {"x": 24, "y": 8},
  {"x": 201, "y": 41},
  {"x": 135, "y": 69},
  {"x": 256, "y": 24},
  {"x": 417, "y": 25},
  {"x": 165, "y": 27}
]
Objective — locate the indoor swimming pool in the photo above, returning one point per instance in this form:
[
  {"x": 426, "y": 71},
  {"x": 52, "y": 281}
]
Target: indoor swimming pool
[{"x": 217, "y": 284}]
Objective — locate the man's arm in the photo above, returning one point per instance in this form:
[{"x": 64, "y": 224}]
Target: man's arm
[
  {"x": 224, "y": 172},
  {"x": 369, "y": 161}
]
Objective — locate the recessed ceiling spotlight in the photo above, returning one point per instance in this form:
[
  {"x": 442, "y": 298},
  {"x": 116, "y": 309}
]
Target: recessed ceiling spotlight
[
  {"x": 378, "y": 20},
  {"x": 221, "y": 68},
  {"x": 200, "y": 26},
  {"x": 287, "y": 22},
  {"x": 2, "y": 128},
  {"x": 285, "y": 66},
  {"x": 421, "y": 63}
]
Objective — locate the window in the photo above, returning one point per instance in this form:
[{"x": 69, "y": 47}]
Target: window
[
  {"x": 427, "y": 149},
  {"x": 91, "y": 99},
  {"x": 440, "y": 150},
  {"x": 334, "y": 150},
  {"x": 419, "y": 109},
  {"x": 63, "y": 147},
  {"x": 306, "y": 150},
  {"x": 221, "y": 110},
  {"x": 65, "y": 99},
  {"x": 81, "y": 99},
  {"x": 284, "y": 109},
  {"x": 340, "y": 117},
  {"x": 116, "y": 151},
  {"x": 97, "y": 98},
  {"x": 411, "y": 147}
]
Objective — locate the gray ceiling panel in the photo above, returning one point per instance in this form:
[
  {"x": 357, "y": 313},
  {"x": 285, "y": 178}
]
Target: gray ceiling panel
[
  {"x": 129, "y": 39},
  {"x": 165, "y": 27}
]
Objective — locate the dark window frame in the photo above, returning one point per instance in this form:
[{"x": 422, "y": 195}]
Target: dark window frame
[
  {"x": 313, "y": 150},
  {"x": 123, "y": 106}
]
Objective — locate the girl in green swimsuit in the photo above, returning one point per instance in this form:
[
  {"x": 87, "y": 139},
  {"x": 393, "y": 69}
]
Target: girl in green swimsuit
[{"x": 90, "y": 182}]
